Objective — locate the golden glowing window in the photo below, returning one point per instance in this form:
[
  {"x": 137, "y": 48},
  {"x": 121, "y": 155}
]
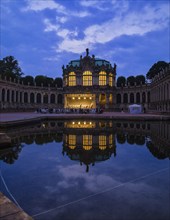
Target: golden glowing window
[
  {"x": 87, "y": 78},
  {"x": 110, "y": 98},
  {"x": 102, "y": 78},
  {"x": 110, "y": 79},
  {"x": 111, "y": 140},
  {"x": 87, "y": 142},
  {"x": 72, "y": 141},
  {"x": 72, "y": 79},
  {"x": 102, "y": 142}
]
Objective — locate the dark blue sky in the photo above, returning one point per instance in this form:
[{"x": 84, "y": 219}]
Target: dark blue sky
[{"x": 43, "y": 35}]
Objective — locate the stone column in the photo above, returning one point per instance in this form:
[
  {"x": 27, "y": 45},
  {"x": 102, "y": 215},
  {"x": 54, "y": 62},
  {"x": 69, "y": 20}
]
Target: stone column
[
  {"x": 97, "y": 100},
  {"x": 10, "y": 94},
  {"x": 107, "y": 101},
  {"x": 48, "y": 98},
  {"x": 22, "y": 97},
  {"x": 42, "y": 96},
  {"x": 134, "y": 97},
  {"x": 28, "y": 97},
  {"x": 128, "y": 95},
  {"x": 35, "y": 98}
]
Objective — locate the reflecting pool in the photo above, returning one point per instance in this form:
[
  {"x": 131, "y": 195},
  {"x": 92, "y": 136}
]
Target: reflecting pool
[{"x": 89, "y": 169}]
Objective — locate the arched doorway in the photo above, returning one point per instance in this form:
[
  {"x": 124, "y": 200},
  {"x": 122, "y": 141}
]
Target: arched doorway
[{"x": 102, "y": 99}]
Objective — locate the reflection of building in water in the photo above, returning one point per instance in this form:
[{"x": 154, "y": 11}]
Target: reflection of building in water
[
  {"x": 10, "y": 155},
  {"x": 159, "y": 142},
  {"x": 155, "y": 135},
  {"x": 90, "y": 141},
  {"x": 88, "y": 145}
]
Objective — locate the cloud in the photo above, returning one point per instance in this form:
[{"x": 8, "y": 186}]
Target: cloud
[
  {"x": 38, "y": 6},
  {"x": 42, "y": 5},
  {"x": 133, "y": 23},
  {"x": 100, "y": 5},
  {"x": 62, "y": 19},
  {"x": 73, "y": 174}
]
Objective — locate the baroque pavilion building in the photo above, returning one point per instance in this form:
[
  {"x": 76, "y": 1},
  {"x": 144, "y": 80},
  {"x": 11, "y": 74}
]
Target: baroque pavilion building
[{"x": 88, "y": 83}]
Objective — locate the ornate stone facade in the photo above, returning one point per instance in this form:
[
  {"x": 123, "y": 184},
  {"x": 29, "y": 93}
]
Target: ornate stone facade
[{"x": 88, "y": 83}]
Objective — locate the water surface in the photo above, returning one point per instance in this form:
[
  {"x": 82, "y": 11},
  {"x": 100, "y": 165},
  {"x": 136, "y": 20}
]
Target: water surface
[{"x": 89, "y": 170}]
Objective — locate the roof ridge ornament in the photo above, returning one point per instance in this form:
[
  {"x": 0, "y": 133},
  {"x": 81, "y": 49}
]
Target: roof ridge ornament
[{"x": 87, "y": 52}]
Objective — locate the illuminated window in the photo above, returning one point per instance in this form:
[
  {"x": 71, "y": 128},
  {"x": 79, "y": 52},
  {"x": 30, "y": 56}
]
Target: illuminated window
[
  {"x": 110, "y": 79},
  {"x": 102, "y": 142},
  {"x": 110, "y": 140},
  {"x": 72, "y": 79},
  {"x": 72, "y": 141},
  {"x": 102, "y": 78},
  {"x": 110, "y": 98},
  {"x": 87, "y": 142},
  {"x": 87, "y": 78}
]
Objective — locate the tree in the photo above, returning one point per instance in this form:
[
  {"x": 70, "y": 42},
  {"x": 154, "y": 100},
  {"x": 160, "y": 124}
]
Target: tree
[
  {"x": 140, "y": 79},
  {"x": 131, "y": 80},
  {"x": 39, "y": 79},
  {"x": 155, "y": 69},
  {"x": 9, "y": 68},
  {"x": 59, "y": 82},
  {"x": 28, "y": 79},
  {"x": 121, "y": 80}
]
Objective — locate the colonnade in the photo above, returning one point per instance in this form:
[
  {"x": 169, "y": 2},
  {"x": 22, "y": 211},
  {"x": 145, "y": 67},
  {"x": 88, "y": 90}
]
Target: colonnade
[{"x": 13, "y": 95}]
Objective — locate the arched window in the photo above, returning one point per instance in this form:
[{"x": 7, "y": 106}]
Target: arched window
[
  {"x": 137, "y": 97},
  {"x": 102, "y": 78},
  {"x": 32, "y": 98},
  {"x": 110, "y": 79},
  {"x": 38, "y": 98},
  {"x": 3, "y": 95},
  {"x": 102, "y": 99},
  {"x": 143, "y": 97},
  {"x": 102, "y": 142},
  {"x": 72, "y": 141},
  {"x": 125, "y": 98},
  {"x": 110, "y": 98},
  {"x": 118, "y": 98},
  {"x": 87, "y": 78},
  {"x": 87, "y": 142},
  {"x": 60, "y": 99},
  {"x": 8, "y": 94},
  {"x": 52, "y": 98},
  {"x": 25, "y": 97},
  {"x": 72, "y": 79},
  {"x": 131, "y": 98}
]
